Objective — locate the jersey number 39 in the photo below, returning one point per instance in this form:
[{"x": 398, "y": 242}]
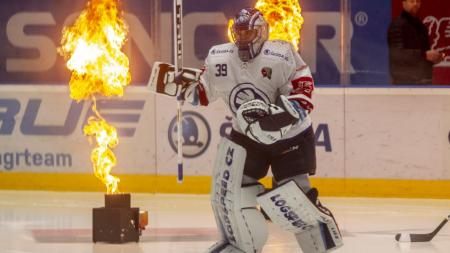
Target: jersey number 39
[{"x": 221, "y": 70}]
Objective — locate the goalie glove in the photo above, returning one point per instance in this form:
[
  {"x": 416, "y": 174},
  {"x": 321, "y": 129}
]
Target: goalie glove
[
  {"x": 164, "y": 81},
  {"x": 267, "y": 123}
]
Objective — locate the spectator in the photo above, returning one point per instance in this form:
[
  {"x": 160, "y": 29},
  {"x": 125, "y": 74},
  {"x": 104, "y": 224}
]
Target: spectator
[{"x": 410, "y": 57}]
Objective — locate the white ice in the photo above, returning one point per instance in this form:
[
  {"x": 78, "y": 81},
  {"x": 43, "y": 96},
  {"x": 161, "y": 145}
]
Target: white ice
[{"x": 61, "y": 222}]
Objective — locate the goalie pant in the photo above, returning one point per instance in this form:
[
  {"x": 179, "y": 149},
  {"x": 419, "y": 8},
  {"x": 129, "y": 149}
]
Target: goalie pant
[{"x": 241, "y": 225}]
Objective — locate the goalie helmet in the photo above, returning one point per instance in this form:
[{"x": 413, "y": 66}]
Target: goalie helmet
[{"x": 249, "y": 31}]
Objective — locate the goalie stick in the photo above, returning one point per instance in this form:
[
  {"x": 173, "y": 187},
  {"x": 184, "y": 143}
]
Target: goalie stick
[
  {"x": 404, "y": 237},
  {"x": 178, "y": 51}
]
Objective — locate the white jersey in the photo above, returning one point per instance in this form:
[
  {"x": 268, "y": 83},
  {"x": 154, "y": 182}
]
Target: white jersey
[{"x": 277, "y": 70}]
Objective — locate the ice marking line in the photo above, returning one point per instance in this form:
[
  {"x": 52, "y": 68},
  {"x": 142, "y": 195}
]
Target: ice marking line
[{"x": 151, "y": 235}]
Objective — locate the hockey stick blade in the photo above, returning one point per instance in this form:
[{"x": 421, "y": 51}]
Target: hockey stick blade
[{"x": 405, "y": 237}]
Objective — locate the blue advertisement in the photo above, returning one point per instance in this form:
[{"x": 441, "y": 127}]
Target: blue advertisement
[
  {"x": 369, "y": 51},
  {"x": 32, "y": 33}
]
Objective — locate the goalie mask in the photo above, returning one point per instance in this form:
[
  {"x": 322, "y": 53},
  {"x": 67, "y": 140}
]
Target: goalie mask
[{"x": 249, "y": 31}]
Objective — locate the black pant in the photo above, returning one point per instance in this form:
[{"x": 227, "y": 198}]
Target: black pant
[{"x": 287, "y": 158}]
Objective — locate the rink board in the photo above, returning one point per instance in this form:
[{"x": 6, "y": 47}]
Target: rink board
[
  {"x": 370, "y": 142},
  {"x": 337, "y": 187}
]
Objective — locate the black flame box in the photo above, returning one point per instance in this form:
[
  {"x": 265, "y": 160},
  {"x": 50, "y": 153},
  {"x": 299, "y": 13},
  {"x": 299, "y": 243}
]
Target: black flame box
[{"x": 117, "y": 222}]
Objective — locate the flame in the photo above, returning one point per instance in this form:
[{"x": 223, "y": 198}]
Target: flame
[
  {"x": 92, "y": 48},
  {"x": 284, "y": 18},
  {"x": 230, "y": 26},
  {"x": 102, "y": 157}
]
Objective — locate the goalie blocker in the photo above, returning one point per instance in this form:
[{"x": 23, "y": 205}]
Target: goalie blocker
[{"x": 163, "y": 80}]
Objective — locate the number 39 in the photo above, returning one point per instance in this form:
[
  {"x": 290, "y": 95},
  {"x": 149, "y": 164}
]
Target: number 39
[{"x": 221, "y": 70}]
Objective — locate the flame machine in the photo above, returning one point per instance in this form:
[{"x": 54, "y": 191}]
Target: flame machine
[{"x": 118, "y": 222}]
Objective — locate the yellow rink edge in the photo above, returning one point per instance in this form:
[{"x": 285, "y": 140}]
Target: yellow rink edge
[{"x": 336, "y": 187}]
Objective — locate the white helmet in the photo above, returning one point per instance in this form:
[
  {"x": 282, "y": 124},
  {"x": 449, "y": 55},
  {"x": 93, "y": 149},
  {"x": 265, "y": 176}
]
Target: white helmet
[{"x": 249, "y": 31}]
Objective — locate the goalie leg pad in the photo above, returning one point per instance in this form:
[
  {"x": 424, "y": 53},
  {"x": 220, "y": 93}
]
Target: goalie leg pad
[
  {"x": 223, "y": 247},
  {"x": 240, "y": 224},
  {"x": 290, "y": 208},
  {"x": 302, "y": 180},
  {"x": 312, "y": 240}
]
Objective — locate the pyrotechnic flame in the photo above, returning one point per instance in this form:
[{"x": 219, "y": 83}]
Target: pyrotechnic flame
[
  {"x": 92, "y": 47},
  {"x": 284, "y": 18},
  {"x": 102, "y": 157},
  {"x": 230, "y": 26}
]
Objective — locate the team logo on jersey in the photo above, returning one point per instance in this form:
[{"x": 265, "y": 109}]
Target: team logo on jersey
[
  {"x": 196, "y": 134},
  {"x": 267, "y": 72},
  {"x": 245, "y": 92}
]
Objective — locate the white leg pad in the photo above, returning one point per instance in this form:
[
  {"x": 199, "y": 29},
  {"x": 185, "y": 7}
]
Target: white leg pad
[
  {"x": 290, "y": 208},
  {"x": 224, "y": 247},
  {"x": 311, "y": 241},
  {"x": 240, "y": 224}
]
